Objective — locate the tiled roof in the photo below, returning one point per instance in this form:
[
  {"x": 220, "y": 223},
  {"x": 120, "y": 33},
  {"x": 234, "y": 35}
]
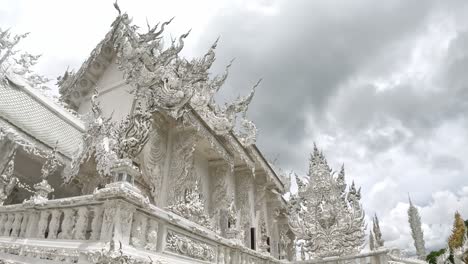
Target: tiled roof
[{"x": 38, "y": 116}]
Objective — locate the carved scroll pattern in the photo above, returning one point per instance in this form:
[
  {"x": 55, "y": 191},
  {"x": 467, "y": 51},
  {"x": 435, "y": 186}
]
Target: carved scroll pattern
[
  {"x": 189, "y": 247},
  {"x": 182, "y": 177},
  {"x": 154, "y": 154}
]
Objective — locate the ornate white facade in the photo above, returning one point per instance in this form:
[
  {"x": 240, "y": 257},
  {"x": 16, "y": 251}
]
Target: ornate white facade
[{"x": 137, "y": 163}]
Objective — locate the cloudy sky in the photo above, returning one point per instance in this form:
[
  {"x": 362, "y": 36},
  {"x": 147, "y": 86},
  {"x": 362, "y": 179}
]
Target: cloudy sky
[{"x": 381, "y": 86}]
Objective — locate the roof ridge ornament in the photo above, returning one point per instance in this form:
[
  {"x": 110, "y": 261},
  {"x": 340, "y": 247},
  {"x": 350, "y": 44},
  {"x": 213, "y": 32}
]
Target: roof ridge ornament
[
  {"x": 164, "y": 79},
  {"x": 116, "y": 6}
]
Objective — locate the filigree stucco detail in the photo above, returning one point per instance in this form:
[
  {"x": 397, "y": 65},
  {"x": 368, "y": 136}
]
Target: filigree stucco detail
[
  {"x": 41, "y": 253},
  {"x": 133, "y": 133},
  {"x": 219, "y": 196},
  {"x": 98, "y": 142},
  {"x": 113, "y": 255},
  {"x": 189, "y": 247},
  {"x": 7, "y": 181},
  {"x": 204, "y": 132},
  {"x": 182, "y": 174},
  {"x": 111, "y": 143},
  {"x": 326, "y": 217},
  {"x": 166, "y": 81},
  {"x": 262, "y": 243},
  {"x": 43, "y": 188},
  {"x": 28, "y": 146},
  {"x": 191, "y": 207},
  {"x": 154, "y": 154},
  {"x": 243, "y": 186}
]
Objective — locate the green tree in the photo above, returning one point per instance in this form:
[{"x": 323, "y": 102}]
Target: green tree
[
  {"x": 458, "y": 232},
  {"x": 466, "y": 225},
  {"x": 432, "y": 257}
]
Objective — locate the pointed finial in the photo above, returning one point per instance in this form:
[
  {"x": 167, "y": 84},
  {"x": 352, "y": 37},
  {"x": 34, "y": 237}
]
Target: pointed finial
[
  {"x": 213, "y": 46},
  {"x": 116, "y": 6},
  {"x": 409, "y": 199},
  {"x": 230, "y": 63},
  {"x": 186, "y": 34}
]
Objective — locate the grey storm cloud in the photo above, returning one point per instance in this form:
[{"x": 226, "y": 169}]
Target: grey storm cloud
[
  {"x": 310, "y": 53},
  {"x": 305, "y": 53}
]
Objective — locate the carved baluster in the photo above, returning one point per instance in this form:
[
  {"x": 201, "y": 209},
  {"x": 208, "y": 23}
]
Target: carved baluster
[
  {"x": 362, "y": 260},
  {"x": 24, "y": 224},
  {"x": 8, "y": 224},
  {"x": 152, "y": 235},
  {"x": 235, "y": 256},
  {"x": 67, "y": 224},
  {"x": 138, "y": 234},
  {"x": 43, "y": 223},
  {"x": 228, "y": 255},
  {"x": 117, "y": 221},
  {"x": 108, "y": 222},
  {"x": 221, "y": 259},
  {"x": 54, "y": 224},
  {"x": 31, "y": 228},
  {"x": 123, "y": 224},
  {"x": 243, "y": 258},
  {"x": 81, "y": 225},
  {"x": 96, "y": 224},
  {"x": 16, "y": 224},
  {"x": 3, "y": 220}
]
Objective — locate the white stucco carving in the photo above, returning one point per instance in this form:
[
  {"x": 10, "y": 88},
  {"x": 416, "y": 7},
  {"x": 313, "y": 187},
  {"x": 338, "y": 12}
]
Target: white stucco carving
[{"x": 325, "y": 215}]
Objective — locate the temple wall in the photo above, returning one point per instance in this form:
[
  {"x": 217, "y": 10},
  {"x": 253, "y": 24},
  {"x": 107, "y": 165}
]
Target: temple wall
[{"x": 113, "y": 96}]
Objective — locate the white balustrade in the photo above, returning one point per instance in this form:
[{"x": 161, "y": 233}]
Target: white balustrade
[{"x": 114, "y": 218}]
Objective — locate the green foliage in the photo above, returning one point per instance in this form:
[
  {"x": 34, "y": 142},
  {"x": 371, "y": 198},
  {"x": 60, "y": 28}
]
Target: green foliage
[
  {"x": 432, "y": 257},
  {"x": 466, "y": 225}
]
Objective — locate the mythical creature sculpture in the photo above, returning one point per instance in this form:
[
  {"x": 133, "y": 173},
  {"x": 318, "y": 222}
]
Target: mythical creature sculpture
[{"x": 326, "y": 218}]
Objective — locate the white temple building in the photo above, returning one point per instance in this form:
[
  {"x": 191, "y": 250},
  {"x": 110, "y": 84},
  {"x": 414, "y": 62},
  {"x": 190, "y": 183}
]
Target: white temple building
[{"x": 139, "y": 164}]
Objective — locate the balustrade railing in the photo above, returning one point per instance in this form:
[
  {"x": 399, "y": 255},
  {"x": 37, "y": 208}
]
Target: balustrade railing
[
  {"x": 374, "y": 257},
  {"x": 117, "y": 214},
  {"x": 114, "y": 214}
]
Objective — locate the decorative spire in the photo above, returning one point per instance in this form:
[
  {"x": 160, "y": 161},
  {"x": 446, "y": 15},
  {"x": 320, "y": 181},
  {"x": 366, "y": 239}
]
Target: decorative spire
[
  {"x": 416, "y": 230},
  {"x": 371, "y": 241},
  {"x": 191, "y": 206},
  {"x": 336, "y": 226},
  {"x": 379, "y": 242}
]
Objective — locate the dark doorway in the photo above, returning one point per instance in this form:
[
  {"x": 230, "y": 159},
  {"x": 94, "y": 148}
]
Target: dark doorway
[{"x": 252, "y": 238}]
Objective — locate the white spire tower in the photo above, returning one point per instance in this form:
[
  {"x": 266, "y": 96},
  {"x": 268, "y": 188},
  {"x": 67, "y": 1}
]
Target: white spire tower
[{"x": 416, "y": 230}]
